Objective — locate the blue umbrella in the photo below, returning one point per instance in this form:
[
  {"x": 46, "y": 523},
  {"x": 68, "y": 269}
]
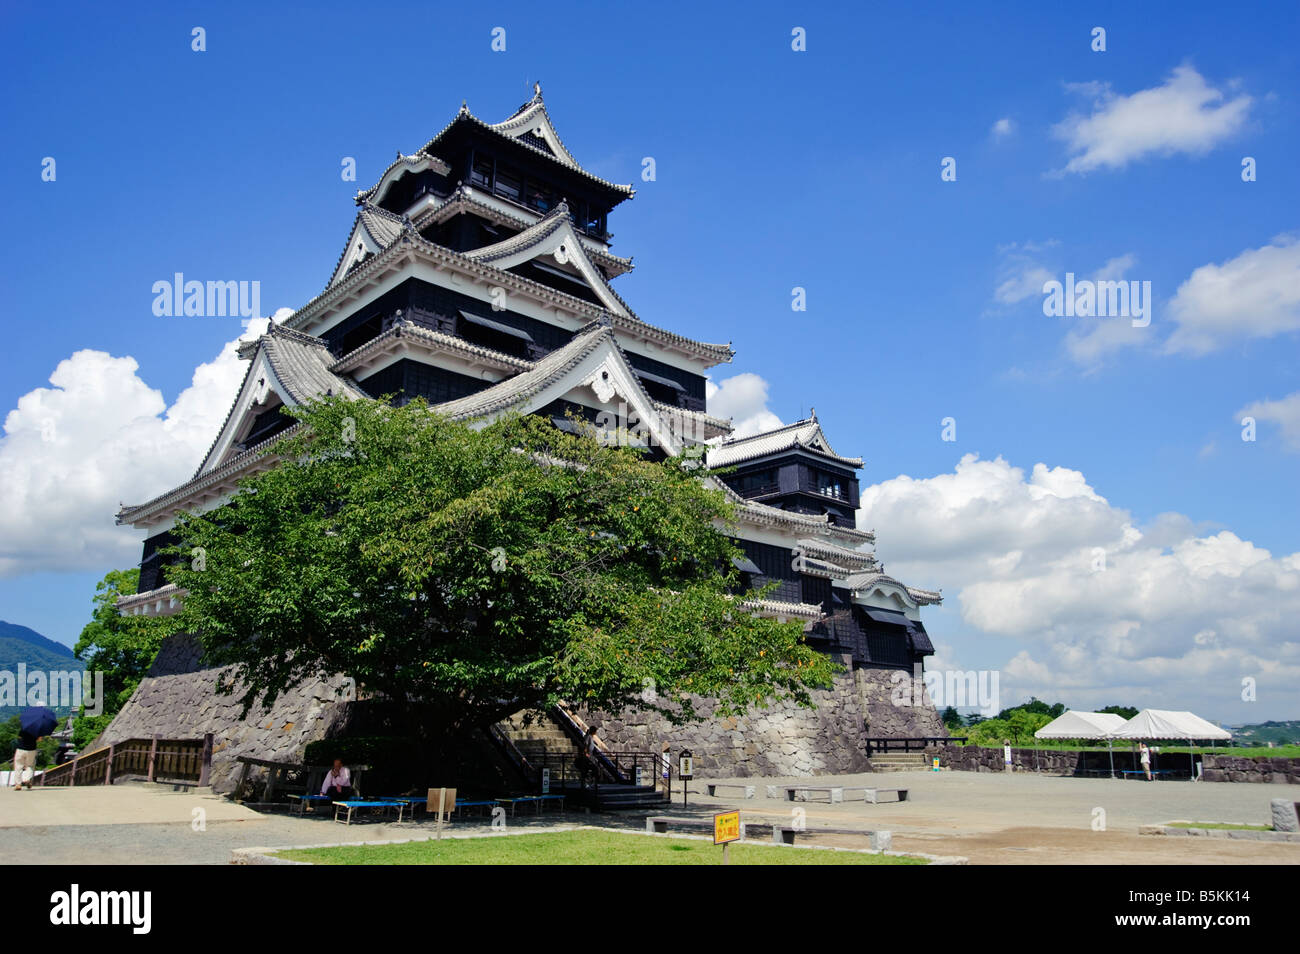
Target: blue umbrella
[{"x": 38, "y": 720}]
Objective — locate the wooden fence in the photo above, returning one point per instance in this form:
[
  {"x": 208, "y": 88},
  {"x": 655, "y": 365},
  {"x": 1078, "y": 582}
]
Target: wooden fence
[{"x": 155, "y": 760}]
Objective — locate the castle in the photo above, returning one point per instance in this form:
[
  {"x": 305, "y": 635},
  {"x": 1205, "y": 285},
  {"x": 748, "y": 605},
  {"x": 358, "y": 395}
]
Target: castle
[{"x": 479, "y": 274}]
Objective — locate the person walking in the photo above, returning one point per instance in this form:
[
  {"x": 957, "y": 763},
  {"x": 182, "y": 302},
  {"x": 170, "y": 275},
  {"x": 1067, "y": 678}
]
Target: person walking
[{"x": 34, "y": 723}]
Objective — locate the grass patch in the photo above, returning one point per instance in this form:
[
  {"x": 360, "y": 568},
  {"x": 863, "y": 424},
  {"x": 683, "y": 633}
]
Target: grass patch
[
  {"x": 1221, "y": 825},
  {"x": 579, "y": 848}
]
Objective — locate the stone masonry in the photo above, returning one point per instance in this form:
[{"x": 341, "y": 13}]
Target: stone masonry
[
  {"x": 784, "y": 739},
  {"x": 178, "y": 699}
]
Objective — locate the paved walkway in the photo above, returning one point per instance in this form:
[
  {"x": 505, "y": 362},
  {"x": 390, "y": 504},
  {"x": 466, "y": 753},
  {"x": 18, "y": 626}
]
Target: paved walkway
[
  {"x": 989, "y": 818},
  {"x": 1025, "y": 818}
]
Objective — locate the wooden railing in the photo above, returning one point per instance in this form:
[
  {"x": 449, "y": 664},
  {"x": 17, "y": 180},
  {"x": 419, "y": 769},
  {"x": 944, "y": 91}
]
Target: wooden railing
[
  {"x": 916, "y": 743},
  {"x": 155, "y": 760}
]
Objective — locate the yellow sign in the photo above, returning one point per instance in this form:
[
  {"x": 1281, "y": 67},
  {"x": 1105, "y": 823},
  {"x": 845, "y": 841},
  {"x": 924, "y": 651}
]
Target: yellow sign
[{"x": 726, "y": 827}]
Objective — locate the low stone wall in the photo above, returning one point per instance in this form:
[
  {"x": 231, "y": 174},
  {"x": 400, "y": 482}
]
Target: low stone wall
[
  {"x": 783, "y": 740},
  {"x": 1239, "y": 768},
  {"x": 1217, "y": 768},
  {"x": 178, "y": 699},
  {"x": 974, "y": 758}
]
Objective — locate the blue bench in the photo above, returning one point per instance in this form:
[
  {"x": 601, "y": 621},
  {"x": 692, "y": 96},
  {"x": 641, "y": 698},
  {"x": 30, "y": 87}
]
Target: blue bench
[
  {"x": 1156, "y": 773},
  {"x": 303, "y": 801},
  {"x": 352, "y": 805},
  {"x": 537, "y": 801}
]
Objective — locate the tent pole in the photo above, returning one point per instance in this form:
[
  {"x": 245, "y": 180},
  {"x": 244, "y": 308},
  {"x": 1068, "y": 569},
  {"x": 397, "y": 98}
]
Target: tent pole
[{"x": 1111, "y": 752}]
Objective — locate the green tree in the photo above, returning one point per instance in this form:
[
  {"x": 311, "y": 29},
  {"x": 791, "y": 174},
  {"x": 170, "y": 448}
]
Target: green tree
[
  {"x": 1126, "y": 712},
  {"x": 121, "y": 647},
  {"x": 951, "y": 719},
  {"x": 467, "y": 574}
]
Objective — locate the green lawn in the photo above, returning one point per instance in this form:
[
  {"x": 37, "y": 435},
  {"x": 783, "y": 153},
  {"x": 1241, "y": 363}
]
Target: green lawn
[
  {"x": 579, "y": 848},
  {"x": 1221, "y": 825}
]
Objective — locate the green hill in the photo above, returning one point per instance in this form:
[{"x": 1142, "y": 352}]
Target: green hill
[
  {"x": 1262, "y": 733},
  {"x": 20, "y": 644}
]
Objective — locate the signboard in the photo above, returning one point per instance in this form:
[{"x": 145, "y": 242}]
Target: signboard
[
  {"x": 546, "y": 781},
  {"x": 640, "y": 775},
  {"x": 726, "y": 827},
  {"x": 685, "y": 767}
]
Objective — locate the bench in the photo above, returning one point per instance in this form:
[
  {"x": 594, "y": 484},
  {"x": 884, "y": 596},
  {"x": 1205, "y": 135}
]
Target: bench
[
  {"x": 872, "y": 795},
  {"x": 748, "y": 791},
  {"x": 537, "y": 801},
  {"x": 303, "y": 801},
  {"x": 834, "y": 792},
  {"x": 1156, "y": 773},
  {"x": 352, "y": 805},
  {"x": 786, "y": 835}
]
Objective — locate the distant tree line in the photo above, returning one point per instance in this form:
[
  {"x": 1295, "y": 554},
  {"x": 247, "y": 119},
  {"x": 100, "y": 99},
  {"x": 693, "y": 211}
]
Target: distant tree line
[{"x": 1018, "y": 723}]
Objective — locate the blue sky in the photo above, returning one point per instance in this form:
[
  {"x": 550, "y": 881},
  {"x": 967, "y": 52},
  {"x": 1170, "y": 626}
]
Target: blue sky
[{"x": 775, "y": 169}]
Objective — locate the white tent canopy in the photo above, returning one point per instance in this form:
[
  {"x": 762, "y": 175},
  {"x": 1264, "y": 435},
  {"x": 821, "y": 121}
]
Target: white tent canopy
[
  {"x": 1080, "y": 725},
  {"x": 1168, "y": 724}
]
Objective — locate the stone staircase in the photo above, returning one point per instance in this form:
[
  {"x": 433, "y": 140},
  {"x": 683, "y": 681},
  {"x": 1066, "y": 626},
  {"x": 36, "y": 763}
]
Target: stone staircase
[
  {"x": 543, "y": 740},
  {"x": 900, "y": 762}
]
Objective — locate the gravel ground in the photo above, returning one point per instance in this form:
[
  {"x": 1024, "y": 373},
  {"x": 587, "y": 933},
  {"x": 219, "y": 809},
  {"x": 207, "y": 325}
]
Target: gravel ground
[{"x": 988, "y": 817}]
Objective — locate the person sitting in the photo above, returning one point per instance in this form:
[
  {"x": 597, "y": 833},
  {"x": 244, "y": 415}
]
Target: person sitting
[{"x": 338, "y": 783}]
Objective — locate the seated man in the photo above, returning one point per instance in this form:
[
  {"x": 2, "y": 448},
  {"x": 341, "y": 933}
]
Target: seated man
[{"x": 338, "y": 783}]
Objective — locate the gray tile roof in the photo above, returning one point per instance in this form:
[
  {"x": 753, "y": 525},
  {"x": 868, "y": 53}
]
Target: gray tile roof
[{"x": 806, "y": 434}]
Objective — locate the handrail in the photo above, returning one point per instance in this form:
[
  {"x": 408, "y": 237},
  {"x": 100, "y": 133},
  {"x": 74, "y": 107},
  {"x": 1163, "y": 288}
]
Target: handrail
[
  {"x": 185, "y": 760},
  {"x": 884, "y": 744}
]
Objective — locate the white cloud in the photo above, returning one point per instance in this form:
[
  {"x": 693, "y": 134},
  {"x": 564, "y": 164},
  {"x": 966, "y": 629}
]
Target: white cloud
[
  {"x": 1026, "y": 282},
  {"x": 1167, "y": 615},
  {"x": 1090, "y": 340},
  {"x": 1255, "y": 295},
  {"x": 1284, "y": 412},
  {"x": 743, "y": 398},
  {"x": 1183, "y": 115},
  {"x": 1003, "y": 127},
  {"x": 100, "y": 436},
  {"x": 1021, "y": 273}
]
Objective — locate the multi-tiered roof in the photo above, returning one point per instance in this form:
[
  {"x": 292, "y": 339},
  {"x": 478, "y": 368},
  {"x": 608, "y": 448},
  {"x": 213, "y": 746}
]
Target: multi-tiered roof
[{"x": 478, "y": 274}]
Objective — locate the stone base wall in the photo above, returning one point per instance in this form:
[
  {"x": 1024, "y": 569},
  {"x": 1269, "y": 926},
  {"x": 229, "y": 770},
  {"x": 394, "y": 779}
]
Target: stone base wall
[
  {"x": 1217, "y": 768},
  {"x": 1238, "y": 768},
  {"x": 974, "y": 758},
  {"x": 178, "y": 699},
  {"x": 784, "y": 740}
]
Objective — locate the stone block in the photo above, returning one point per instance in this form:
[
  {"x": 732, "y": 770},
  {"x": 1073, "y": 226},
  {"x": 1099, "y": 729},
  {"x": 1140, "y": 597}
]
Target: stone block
[{"x": 1286, "y": 814}]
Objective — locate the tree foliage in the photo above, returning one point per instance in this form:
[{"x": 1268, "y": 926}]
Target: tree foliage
[{"x": 473, "y": 573}]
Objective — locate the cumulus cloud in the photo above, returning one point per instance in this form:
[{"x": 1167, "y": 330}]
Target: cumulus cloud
[
  {"x": 1169, "y": 615},
  {"x": 1003, "y": 128},
  {"x": 1183, "y": 115},
  {"x": 1284, "y": 412},
  {"x": 100, "y": 435},
  {"x": 1255, "y": 295},
  {"x": 743, "y": 398}
]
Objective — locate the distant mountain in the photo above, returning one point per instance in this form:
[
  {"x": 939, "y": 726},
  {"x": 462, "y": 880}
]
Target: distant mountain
[
  {"x": 20, "y": 644},
  {"x": 1261, "y": 733}
]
